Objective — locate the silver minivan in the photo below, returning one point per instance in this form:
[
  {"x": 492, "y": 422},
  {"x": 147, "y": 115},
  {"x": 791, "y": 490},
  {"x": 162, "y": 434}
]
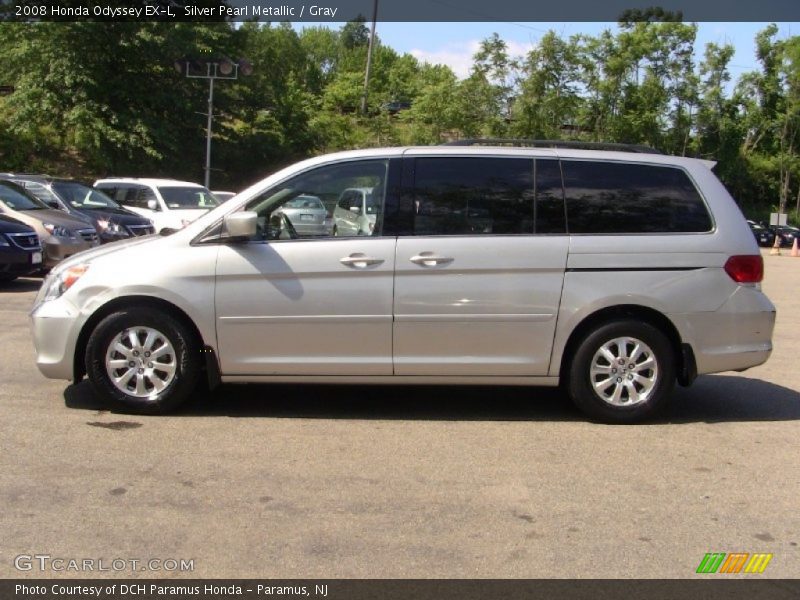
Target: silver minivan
[{"x": 614, "y": 274}]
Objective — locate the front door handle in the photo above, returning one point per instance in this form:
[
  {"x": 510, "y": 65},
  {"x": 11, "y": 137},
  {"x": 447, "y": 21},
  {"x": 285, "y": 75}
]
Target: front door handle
[
  {"x": 360, "y": 261},
  {"x": 429, "y": 259}
]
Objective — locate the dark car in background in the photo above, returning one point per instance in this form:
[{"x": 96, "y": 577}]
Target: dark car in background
[
  {"x": 786, "y": 234},
  {"x": 60, "y": 234},
  {"x": 20, "y": 250},
  {"x": 112, "y": 221},
  {"x": 763, "y": 235}
]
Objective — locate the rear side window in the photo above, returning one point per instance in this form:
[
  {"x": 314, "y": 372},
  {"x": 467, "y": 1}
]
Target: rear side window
[
  {"x": 469, "y": 196},
  {"x": 607, "y": 197},
  {"x": 135, "y": 196}
]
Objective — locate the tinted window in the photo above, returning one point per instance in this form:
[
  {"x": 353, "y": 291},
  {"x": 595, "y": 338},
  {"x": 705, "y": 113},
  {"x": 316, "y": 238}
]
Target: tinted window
[
  {"x": 606, "y": 197},
  {"x": 187, "y": 197},
  {"x": 131, "y": 195},
  {"x": 465, "y": 196},
  {"x": 549, "y": 213}
]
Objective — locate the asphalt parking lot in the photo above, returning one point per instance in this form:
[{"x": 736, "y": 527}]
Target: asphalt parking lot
[{"x": 300, "y": 481}]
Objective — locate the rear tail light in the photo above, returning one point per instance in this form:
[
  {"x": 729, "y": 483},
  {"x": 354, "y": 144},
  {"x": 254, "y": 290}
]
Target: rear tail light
[{"x": 747, "y": 268}]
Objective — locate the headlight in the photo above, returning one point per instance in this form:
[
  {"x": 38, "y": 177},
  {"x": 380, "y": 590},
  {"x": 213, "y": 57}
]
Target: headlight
[
  {"x": 111, "y": 228},
  {"x": 64, "y": 280},
  {"x": 58, "y": 230}
]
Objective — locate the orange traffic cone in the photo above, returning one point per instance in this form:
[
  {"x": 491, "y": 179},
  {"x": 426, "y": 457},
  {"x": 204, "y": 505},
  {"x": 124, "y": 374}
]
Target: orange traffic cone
[
  {"x": 776, "y": 247},
  {"x": 794, "y": 252}
]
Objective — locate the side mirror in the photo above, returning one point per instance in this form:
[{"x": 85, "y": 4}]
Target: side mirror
[
  {"x": 53, "y": 204},
  {"x": 241, "y": 225},
  {"x": 152, "y": 204},
  {"x": 355, "y": 209}
]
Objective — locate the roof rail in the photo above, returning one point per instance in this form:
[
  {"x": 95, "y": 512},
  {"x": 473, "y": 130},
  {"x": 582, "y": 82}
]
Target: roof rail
[{"x": 574, "y": 144}]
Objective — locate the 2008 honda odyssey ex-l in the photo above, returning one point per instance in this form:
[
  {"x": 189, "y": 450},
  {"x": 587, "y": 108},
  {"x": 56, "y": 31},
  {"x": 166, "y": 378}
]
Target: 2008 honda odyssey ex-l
[{"x": 613, "y": 273}]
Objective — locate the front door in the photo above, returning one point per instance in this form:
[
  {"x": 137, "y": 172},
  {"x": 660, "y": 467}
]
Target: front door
[{"x": 294, "y": 305}]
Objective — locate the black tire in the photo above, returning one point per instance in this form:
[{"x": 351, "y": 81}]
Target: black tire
[
  {"x": 580, "y": 383},
  {"x": 185, "y": 359}
]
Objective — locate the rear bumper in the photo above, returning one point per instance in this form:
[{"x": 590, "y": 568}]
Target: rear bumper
[{"x": 735, "y": 337}]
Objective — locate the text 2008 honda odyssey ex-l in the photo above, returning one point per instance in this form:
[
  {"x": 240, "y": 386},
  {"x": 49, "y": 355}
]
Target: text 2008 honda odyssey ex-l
[{"x": 613, "y": 273}]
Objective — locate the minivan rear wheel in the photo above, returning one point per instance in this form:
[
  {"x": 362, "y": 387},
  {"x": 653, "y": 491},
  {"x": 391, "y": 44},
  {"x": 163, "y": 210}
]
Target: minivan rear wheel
[
  {"x": 143, "y": 361},
  {"x": 622, "y": 372}
]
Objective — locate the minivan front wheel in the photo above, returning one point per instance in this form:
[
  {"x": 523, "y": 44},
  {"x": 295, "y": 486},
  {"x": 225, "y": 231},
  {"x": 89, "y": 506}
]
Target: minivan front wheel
[
  {"x": 622, "y": 372},
  {"x": 143, "y": 361}
]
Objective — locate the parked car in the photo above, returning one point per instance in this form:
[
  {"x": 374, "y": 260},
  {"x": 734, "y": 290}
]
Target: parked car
[
  {"x": 355, "y": 212},
  {"x": 223, "y": 196},
  {"x": 786, "y": 234},
  {"x": 61, "y": 235},
  {"x": 307, "y": 215},
  {"x": 167, "y": 203},
  {"x": 613, "y": 274},
  {"x": 110, "y": 220},
  {"x": 20, "y": 251},
  {"x": 762, "y": 235}
]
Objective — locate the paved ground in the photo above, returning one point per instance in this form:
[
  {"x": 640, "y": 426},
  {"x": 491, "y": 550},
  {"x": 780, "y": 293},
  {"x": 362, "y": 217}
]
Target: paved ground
[{"x": 291, "y": 481}]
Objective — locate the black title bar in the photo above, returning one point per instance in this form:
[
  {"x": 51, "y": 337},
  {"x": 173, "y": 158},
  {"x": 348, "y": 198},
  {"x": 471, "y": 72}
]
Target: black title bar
[{"x": 403, "y": 10}]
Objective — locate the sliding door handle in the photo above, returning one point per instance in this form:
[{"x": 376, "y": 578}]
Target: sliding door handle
[{"x": 429, "y": 259}]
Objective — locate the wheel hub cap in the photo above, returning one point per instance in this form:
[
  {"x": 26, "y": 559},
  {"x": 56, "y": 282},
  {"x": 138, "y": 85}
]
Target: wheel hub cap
[
  {"x": 140, "y": 362},
  {"x": 624, "y": 372}
]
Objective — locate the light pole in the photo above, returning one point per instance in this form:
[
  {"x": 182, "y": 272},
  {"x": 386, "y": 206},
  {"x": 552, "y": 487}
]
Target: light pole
[
  {"x": 217, "y": 68},
  {"x": 369, "y": 57}
]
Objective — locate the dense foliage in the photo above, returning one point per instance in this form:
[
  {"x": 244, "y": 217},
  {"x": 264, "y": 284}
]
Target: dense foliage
[{"x": 93, "y": 99}]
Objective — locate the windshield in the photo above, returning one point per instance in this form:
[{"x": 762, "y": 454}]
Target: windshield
[
  {"x": 82, "y": 196},
  {"x": 18, "y": 200},
  {"x": 188, "y": 197}
]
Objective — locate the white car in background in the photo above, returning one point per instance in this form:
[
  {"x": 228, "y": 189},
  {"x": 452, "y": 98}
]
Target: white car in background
[
  {"x": 356, "y": 212},
  {"x": 168, "y": 203},
  {"x": 223, "y": 196}
]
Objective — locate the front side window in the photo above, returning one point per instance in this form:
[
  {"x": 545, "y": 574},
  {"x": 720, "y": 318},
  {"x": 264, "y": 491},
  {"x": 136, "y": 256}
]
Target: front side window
[
  {"x": 318, "y": 203},
  {"x": 608, "y": 197},
  {"x": 472, "y": 196}
]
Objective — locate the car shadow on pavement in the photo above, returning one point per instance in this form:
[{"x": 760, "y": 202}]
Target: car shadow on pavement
[
  {"x": 367, "y": 402},
  {"x": 21, "y": 285},
  {"x": 713, "y": 398},
  {"x": 731, "y": 398}
]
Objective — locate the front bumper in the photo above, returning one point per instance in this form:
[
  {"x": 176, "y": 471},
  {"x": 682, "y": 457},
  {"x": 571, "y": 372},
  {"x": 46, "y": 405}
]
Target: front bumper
[
  {"x": 56, "y": 325},
  {"x": 18, "y": 262}
]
